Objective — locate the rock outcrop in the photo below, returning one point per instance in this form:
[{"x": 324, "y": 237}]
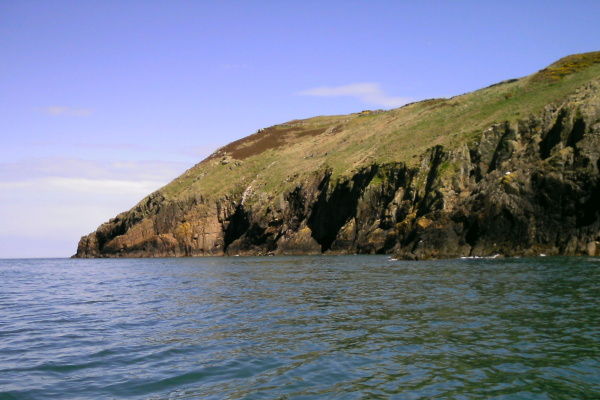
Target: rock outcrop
[
  {"x": 519, "y": 188},
  {"x": 525, "y": 189}
]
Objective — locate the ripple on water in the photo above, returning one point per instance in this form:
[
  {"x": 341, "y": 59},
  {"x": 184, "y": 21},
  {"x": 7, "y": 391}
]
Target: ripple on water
[{"x": 300, "y": 327}]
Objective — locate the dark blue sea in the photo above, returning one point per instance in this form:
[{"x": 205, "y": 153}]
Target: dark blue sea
[{"x": 323, "y": 327}]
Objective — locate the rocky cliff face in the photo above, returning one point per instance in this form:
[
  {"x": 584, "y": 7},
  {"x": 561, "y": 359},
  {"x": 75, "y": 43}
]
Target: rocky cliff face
[
  {"x": 521, "y": 188},
  {"x": 524, "y": 189}
]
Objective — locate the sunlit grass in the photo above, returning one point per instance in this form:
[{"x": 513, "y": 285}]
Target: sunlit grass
[{"x": 350, "y": 142}]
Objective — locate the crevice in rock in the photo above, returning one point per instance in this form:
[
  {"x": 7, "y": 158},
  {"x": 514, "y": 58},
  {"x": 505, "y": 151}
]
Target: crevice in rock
[
  {"x": 577, "y": 132},
  {"x": 502, "y": 151},
  {"x": 553, "y": 137},
  {"x": 332, "y": 211},
  {"x": 238, "y": 224},
  {"x": 430, "y": 196},
  {"x": 589, "y": 212}
]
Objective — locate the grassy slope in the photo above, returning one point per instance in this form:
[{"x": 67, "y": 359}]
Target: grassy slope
[{"x": 277, "y": 158}]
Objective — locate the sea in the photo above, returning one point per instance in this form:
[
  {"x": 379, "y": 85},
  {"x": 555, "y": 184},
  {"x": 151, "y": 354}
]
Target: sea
[{"x": 310, "y": 327}]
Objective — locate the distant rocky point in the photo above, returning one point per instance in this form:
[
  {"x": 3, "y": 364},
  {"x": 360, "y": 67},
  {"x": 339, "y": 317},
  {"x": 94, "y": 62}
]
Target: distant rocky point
[{"x": 511, "y": 170}]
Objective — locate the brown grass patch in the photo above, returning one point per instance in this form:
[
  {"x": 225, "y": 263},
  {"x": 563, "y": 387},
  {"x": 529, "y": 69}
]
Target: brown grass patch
[{"x": 266, "y": 139}]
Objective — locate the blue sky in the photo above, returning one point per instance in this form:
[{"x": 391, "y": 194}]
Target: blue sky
[{"x": 104, "y": 102}]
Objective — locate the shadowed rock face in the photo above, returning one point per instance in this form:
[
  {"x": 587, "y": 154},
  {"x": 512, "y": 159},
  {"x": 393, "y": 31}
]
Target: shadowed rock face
[{"x": 522, "y": 188}]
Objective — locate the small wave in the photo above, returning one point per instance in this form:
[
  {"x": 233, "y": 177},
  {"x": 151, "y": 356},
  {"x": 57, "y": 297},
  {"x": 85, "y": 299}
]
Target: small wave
[
  {"x": 306, "y": 327},
  {"x": 54, "y": 367},
  {"x": 482, "y": 257},
  {"x": 89, "y": 302}
]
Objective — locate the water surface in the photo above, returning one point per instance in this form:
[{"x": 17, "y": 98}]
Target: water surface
[{"x": 352, "y": 327}]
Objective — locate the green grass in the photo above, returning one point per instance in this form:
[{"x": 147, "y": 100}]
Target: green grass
[
  {"x": 567, "y": 66},
  {"x": 402, "y": 135}
]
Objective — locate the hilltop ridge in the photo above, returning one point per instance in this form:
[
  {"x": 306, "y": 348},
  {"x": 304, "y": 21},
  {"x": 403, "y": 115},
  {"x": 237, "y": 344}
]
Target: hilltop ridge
[{"x": 510, "y": 169}]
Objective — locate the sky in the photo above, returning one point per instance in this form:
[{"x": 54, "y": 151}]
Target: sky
[{"x": 104, "y": 102}]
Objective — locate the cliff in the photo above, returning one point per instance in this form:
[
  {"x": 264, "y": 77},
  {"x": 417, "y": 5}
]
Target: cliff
[{"x": 512, "y": 169}]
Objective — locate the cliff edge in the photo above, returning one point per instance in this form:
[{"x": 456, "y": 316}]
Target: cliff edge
[{"x": 512, "y": 169}]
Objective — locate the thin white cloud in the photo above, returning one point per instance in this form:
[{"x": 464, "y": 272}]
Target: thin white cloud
[
  {"x": 53, "y": 201},
  {"x": 62, "y": 167},
  {"x": 58, "y": 211},
  {"x": 370, "y": 93},
  {"x": 57, "y": 111},
  {"x": 118, "y": 188}
]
